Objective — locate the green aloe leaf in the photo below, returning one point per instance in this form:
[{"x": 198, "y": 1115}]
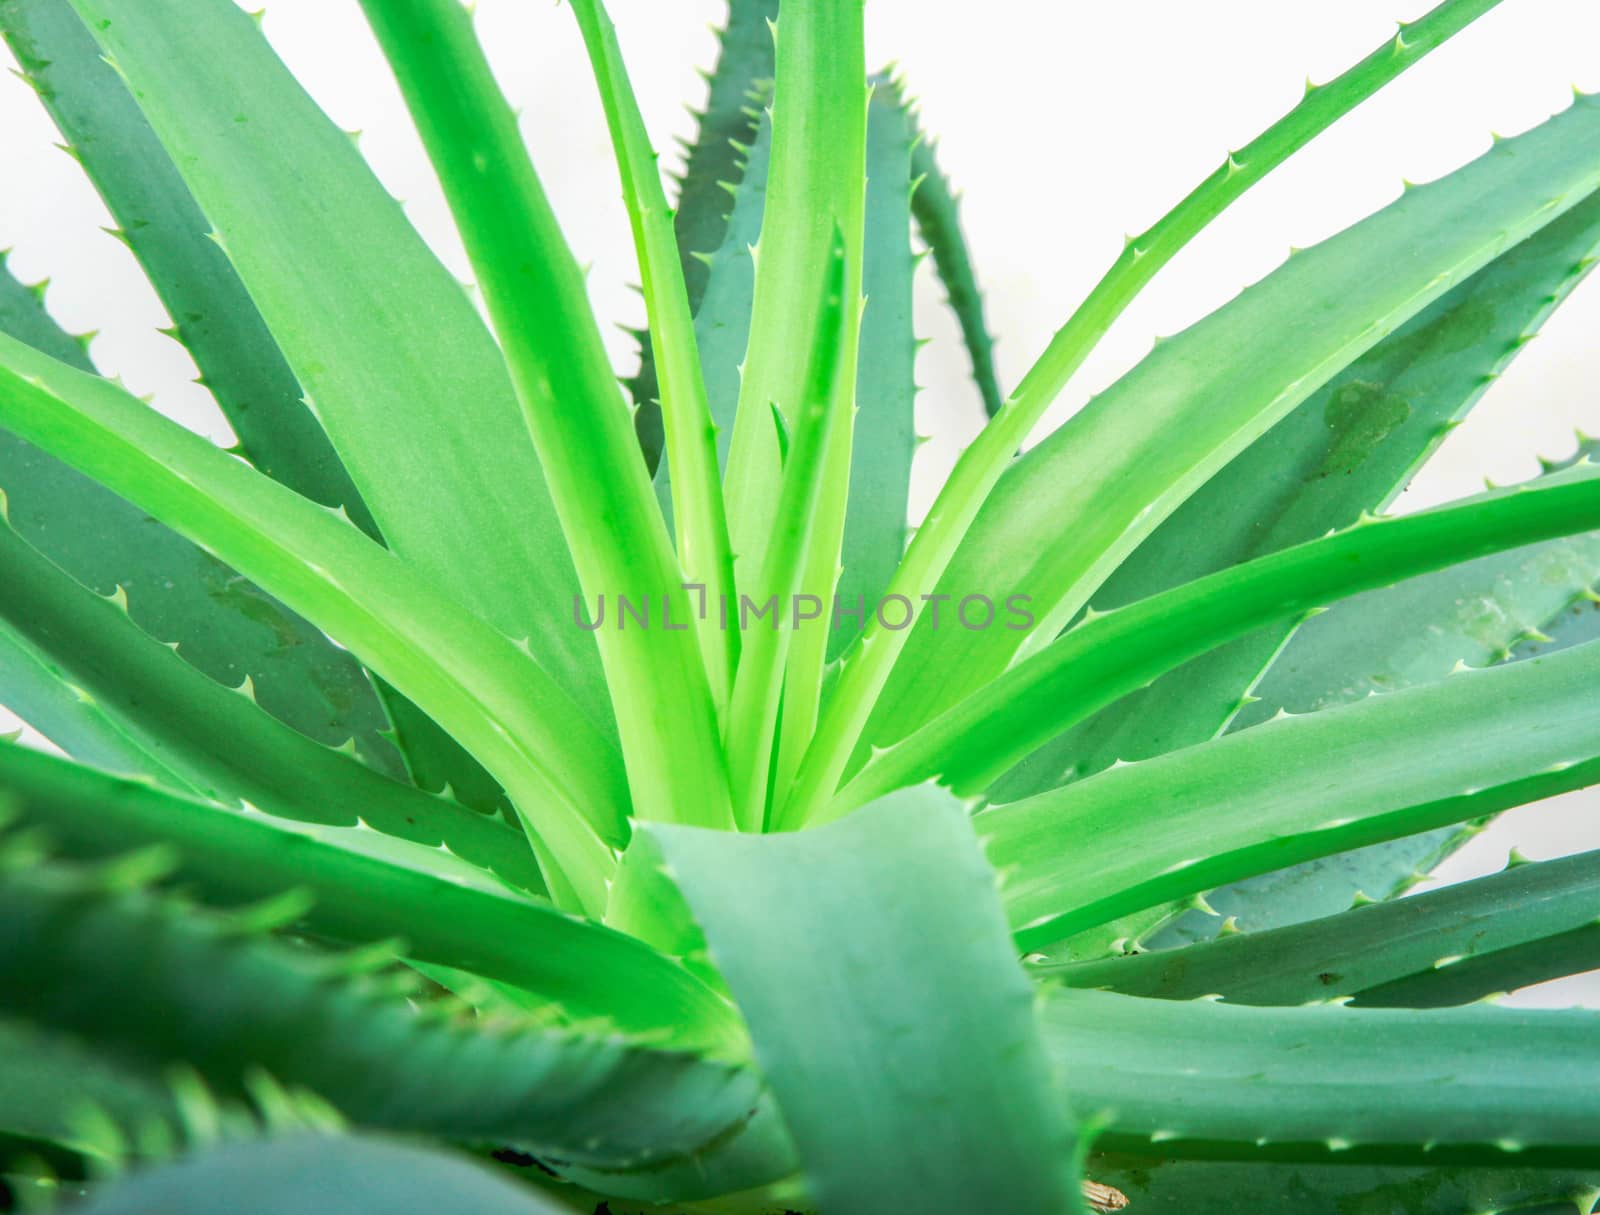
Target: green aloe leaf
[
  {"x": 322, "y": 1175},
  {"x": 212, "y": 315},
  {"x": 753, "y": 710},
  {"x": 1497, "y": 923},
  {"x": 690, "y": 435},
  {"x": 395, "y": 361},
  {"x": 1226, "y": 1187},
  {"x": 59, "y": 1092},
  {"x": 224, "y": 745},
  {"x": 884, "y": 1100},
  {"x": 1203, "y": 1079},
  {"x": 361, "y": 887},
  {"x": 1114, "y": 653},
  {"x": 714, "y": 167},
  {"x": 154, "y": 984},
  {"x": 1475, "y": 613},
  {"x": 1297, "y": 788},
  {"x": 571, "y": 404},
  {"x": 815, "y": 183},
  {"x": 1125, "y": 461},
  {"x": 459, "y": 669},
  {"x": 885, "y": 424},
  {"x": 936, "y": 205},
  {"x": 224, "y": 625},
  {"x": 38, "y": 691},
  {"x": 1348, "y": 448}
]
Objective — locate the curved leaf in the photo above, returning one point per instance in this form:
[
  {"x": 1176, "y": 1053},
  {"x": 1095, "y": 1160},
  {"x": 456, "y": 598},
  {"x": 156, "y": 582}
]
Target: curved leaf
[
  {"x": 226, "y": 747},
  {"x": 368, "y": 888},
  {"x": 1202, "y": 1079},
  {"x": 1379, "y": 952},
  {"x": 571, "y": 404},
  {"x": 322, "y": 1176},
  {"x": 883, "y": 1099},
  {"x": 1297, "y": 788},
  {"x": 397, "y": 364},
  {"x": 156, "y": 986},
  {"x": 470, "y": 677}
]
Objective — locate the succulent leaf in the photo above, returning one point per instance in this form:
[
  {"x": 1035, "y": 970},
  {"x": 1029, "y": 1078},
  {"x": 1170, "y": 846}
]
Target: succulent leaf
[
  {"x": 225, "y": 746},
  {"x": 211, "y": 312},
  {"x": 936, "y": 206},
  {"x": 359, "y": 887},
  {"x": 1114, "y": 653},
  {"x": 322, "y": 1175},
  {"x": 571, "y": 404},
  {"x": 395, "y": 362},
  {"x": 1132, "y": 445},
  {"x": 1204, "y": 1079},
  {"x": 1540, "y": 916},
  {"x": 1350, "y": 447},
  {"x": 1294, "y": 789},
  {"x": 713, "y": 166},
  {"x": 224, "y": 625},
  {"x": 875, "y": 885},
  {"x": 558, "y": 771}
]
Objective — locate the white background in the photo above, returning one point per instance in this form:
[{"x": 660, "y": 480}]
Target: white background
[{"x": 1067, "y": 124}]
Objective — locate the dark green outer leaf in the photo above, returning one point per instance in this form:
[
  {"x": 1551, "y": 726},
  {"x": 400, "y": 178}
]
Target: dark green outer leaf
[
  {"x": 937, "y": 208},
  {"x": 1485, "y": 922},
  {"x": 1349, "y": 447},
  {"x": 1412, "y": 633},
  {"x": 1298, "y": 788},
  {"x": 49, "y": 1083},
  {"x": 367, "y": 887},
  {"x": 714, "y": 168},
  {"x": 154, "y": 984},
  {"x": 1224, "y": 1187},
  {"x": 399, "y": 367},
  {"x": 211, "y": 312},
  {"x": 884, "y": 1100},
  {"x": 213, "y": 315},
  {"x": 342, "y": 1175},
  {"x": 226, "y": 748},
  {"x": 1203, "y": 1079},
  {"x": 224, "y": 626},
  {"x": 885, "y": 423}
]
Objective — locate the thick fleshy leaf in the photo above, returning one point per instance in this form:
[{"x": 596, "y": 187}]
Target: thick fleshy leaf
[
  {"x": 714, "y": 167},
  {"x": 1348, "y": 448},
  {"x": 937, "y": 208},
  {"x": 1117, "y": 652},
  {"x": 1530, "y": 915},
  {"x": 1133, "y": 457},
  {"x": 1226, "y": 1187},
  {"x": 559, "y": 770},
  {"x": 1401, "y": 636},
  {"x": 1204, "y": 1079},
  {"x": 157, "y": 985},
  {"x": 885, "y": 425},
  {"x": 570, "y": 402},
  {"x": 363, "y": 888},
  {"x": 315, "y": 1175},
  {"x": 397, "y": 364},
  {"x": 223, "y": 625},
  {"x": 1297, "y": 788},
  {"x": 212, "y": 314},
  {"x": 884, "y": 1100},
  {"x": 1123, "y": 463},
  {"x": 224, "y": 745}
]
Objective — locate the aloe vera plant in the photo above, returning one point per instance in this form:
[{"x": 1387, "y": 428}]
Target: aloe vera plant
[{"x": 477, "y": 762}]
